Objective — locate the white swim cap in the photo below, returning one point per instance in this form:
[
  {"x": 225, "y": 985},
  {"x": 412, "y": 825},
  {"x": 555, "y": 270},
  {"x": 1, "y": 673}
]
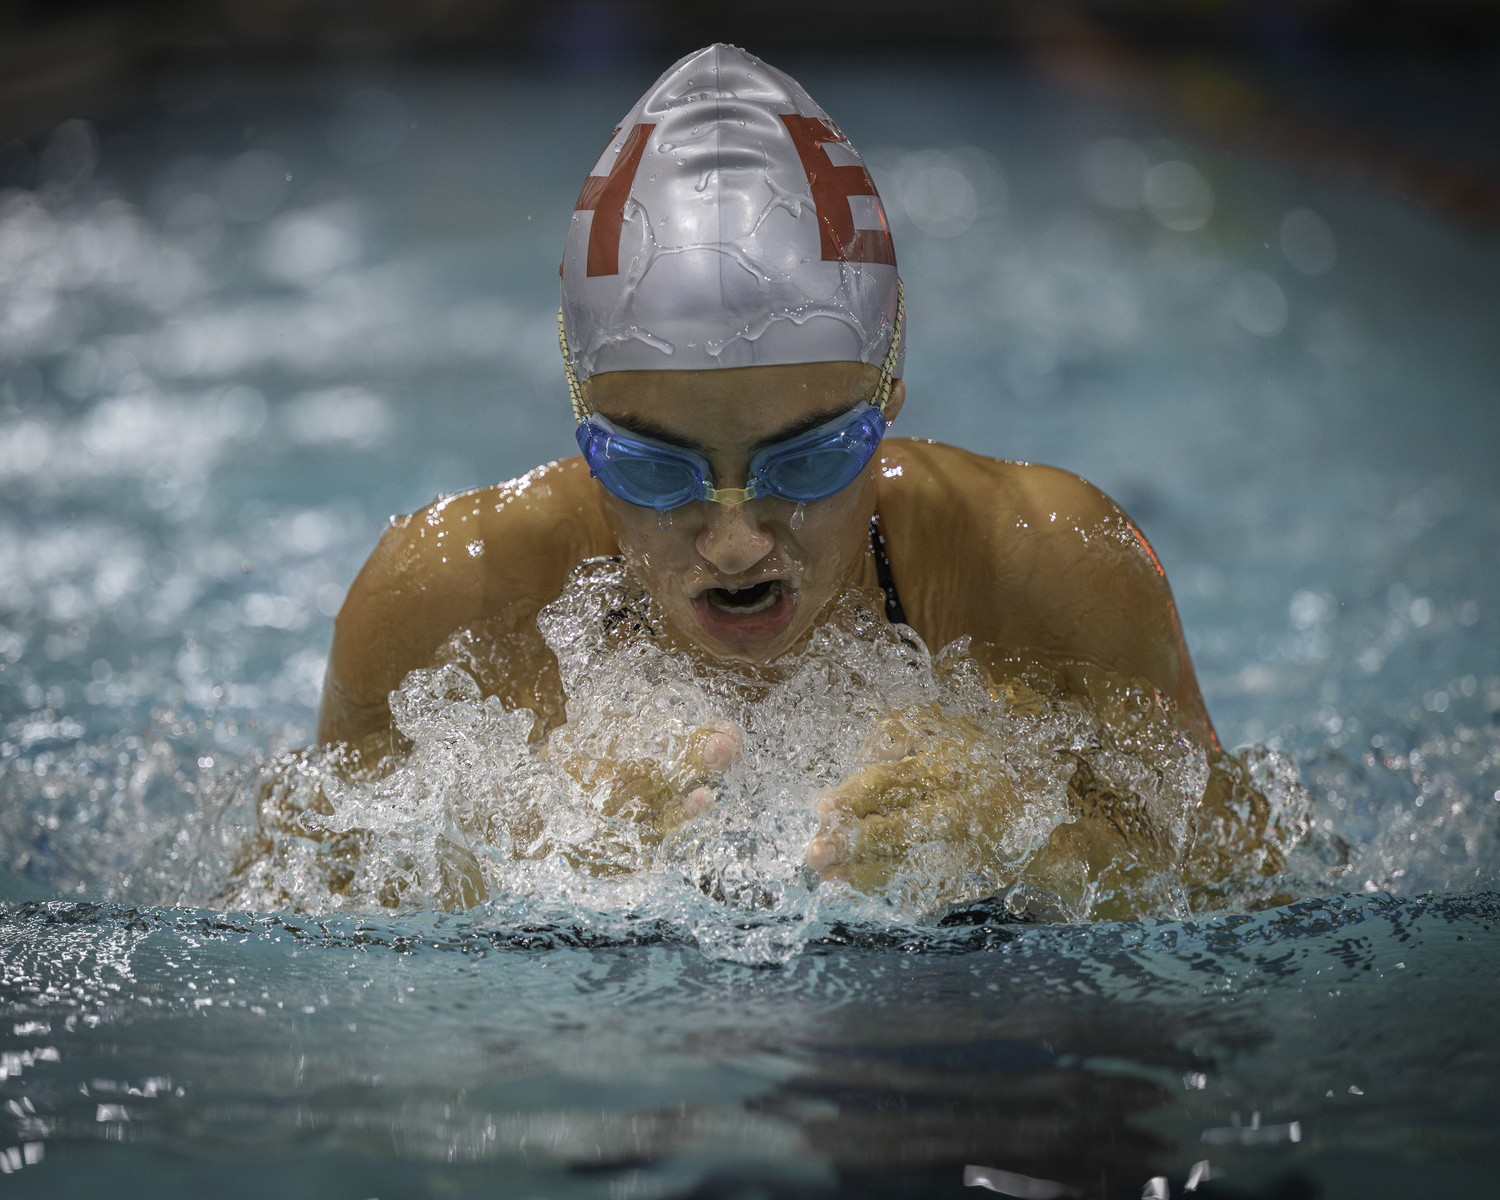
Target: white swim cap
[{"x": 728, "y": 224}]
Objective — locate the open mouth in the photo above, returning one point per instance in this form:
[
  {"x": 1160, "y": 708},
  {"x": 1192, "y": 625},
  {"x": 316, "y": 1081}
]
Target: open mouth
[
  {"x": 746, "y": 601},
  {"x": 756, "y": 613}
]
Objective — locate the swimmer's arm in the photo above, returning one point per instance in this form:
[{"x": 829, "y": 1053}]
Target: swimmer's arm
[
  {"x": 1082, "y": 584},
  {"x": 499, "y": 551},
  {"x": 1035, "y": 562},
  {"x": 1035, "y": 565}
]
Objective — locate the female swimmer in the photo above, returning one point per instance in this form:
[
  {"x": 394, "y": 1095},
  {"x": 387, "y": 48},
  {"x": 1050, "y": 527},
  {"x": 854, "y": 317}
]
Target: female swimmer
[{"x": 732, "y": 329}]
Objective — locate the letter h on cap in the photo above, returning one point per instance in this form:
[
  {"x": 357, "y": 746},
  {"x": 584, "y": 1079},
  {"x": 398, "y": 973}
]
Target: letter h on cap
[
  {"x": 605, "y": 196},
  {"x": 832, "y": 188}
]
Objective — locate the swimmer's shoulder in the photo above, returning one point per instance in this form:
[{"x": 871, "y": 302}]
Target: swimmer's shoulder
[
  {"x": 935, "y": 469},
  {"x": 1033, "y": 560},
  {"x": 519, "y": 537},
  {"x": 503, "y": 550},
  {"x": 942, "y": 494}
]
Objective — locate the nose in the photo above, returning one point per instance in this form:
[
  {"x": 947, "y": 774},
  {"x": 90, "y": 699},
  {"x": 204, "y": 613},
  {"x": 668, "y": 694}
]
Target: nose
[{"x": 732, "y": 539}]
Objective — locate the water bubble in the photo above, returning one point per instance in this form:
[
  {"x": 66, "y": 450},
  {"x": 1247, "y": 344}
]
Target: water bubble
[
  {"x": 1178, "y": 196},
  {"x": 1309, "y": 608},
  {"x": 664, "y": 518},
  {"x": 342, "y": 414},
  {"x": 1307, "y": 242},
  {"x": 1258, "y": 304},
  {"x": 329, "y": 599},
  {"x": 941, "y": 201},
  {"x": 70, "y": 155},
  {"x": 798, "y": 515},
  {"x": 307, "y": 245}
]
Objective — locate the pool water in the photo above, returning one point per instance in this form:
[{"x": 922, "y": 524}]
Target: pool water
[{"x": 239, "y": 329}]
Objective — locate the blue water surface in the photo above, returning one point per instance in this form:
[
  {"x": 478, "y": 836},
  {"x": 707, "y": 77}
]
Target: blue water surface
[{"x": 236, "y": 335}]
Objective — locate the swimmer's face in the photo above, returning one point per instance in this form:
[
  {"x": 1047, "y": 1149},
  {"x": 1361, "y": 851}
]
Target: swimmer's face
[{"x": 739, "y": 580}]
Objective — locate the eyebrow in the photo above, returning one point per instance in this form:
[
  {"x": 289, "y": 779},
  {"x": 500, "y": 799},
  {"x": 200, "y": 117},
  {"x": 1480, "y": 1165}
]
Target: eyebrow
[
  {"x": 646, "y": 427},
  {"x": 811, "y": 421}
]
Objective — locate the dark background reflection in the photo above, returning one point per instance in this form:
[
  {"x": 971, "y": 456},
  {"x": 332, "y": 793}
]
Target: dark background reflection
[{"x": 1269, "y": 76}]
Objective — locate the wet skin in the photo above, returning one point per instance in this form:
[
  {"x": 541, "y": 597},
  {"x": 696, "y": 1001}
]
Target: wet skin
[
  {"x": 1032, "y": 562},
  {"x": 718, "y": 563}
]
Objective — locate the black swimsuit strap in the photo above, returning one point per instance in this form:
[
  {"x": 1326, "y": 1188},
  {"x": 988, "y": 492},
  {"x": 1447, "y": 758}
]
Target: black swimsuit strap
[{"x": 894, "y": 613}]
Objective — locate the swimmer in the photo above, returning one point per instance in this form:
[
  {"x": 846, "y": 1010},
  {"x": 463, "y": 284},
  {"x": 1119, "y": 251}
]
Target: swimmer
[{"x": 732, "y": 332}]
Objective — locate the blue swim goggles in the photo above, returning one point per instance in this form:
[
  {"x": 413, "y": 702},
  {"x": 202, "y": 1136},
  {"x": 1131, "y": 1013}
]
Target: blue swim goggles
[{"x": 810, "y": 466}]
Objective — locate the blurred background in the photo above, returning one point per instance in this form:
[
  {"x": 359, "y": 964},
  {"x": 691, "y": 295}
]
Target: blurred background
[
  {"x": 1247, "y": 68},
  {"x": 272, "y": 270}
]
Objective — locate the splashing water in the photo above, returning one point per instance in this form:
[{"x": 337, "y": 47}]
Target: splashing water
[{"x": 589, "y": 818}]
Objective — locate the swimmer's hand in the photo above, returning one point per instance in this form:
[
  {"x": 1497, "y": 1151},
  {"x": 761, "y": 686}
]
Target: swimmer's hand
[
  {"x": 928, "y": 782},
  {"x": 713, "y": 749},
  {"x": 659, "y": 796}
]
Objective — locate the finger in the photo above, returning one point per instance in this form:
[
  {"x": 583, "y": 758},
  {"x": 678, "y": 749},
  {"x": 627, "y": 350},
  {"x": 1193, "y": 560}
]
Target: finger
[
  {"x": 699, "y": 802},
  {"x": 825, "y": 850},
  {"x": 879, "y": 787},
  {"x": 884, "y": 838},
  {"x": 867, "y": 848},
  {"x": 863, "y": 858},
  {"x": 717, "y": 746}
]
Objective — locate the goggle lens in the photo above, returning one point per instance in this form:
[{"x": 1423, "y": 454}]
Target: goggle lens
[
  {"x": 823, "y": 461},
  {"x": 638, "y": 470},
  {"x": 650, "y": 482}
]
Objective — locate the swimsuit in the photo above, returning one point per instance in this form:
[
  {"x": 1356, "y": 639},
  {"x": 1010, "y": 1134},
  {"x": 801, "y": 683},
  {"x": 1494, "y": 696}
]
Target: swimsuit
[{"x": 894, "y": 613}]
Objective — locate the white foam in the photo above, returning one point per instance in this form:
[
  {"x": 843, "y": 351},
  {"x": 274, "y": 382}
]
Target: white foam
[{"x": 475, "y": 811}]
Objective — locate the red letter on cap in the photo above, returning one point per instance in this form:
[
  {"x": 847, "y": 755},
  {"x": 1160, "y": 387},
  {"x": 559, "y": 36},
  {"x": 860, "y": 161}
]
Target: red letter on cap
[
  {"x": 605, "y": 195},
  {"x": 831, "y": 188}
]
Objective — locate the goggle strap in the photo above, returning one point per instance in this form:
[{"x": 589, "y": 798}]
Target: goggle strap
[
  {"x": 575, "y": 392},
  {"x": 888, "y": 368},
  {"x": 882, "y": 395}
]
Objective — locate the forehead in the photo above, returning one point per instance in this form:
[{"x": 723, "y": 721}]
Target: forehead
[{"x": 737, "y": 405}]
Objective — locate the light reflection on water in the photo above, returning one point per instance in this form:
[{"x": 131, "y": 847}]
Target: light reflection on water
[{"x": 216, "y": 382}]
